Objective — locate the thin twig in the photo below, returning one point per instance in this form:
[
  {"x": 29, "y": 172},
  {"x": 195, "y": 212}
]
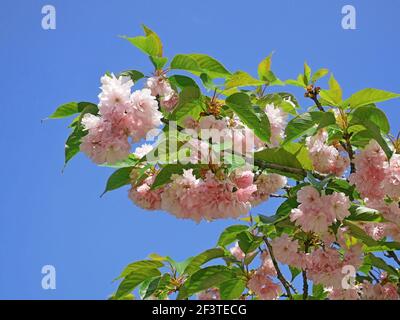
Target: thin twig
[
  {"x": 280, "y": 276},
  {"x": 304, "y": 274},
  {"x": 392, "y": 254}
]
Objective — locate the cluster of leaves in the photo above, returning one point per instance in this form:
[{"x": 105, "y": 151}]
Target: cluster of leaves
[{"x": 205, "y": 86}]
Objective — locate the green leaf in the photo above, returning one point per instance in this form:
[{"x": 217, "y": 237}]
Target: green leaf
[
  {"x": 374, "y": 115},
  {"x": 154, "y": 285},
  {"x": 333, "y": 96},
  {"x": 361, "y": 213},
  {"x": 150, "y": 44},
  {"x": 131, "y": 281},
  {"x": 229, "y": 235},
  {"x": 248, "y": 242},
  {"x": 203, "y": 258},
  {"x": 69, "y": 109},
  {"x": 381, "y": 264},
  {"x": 297, "y": 83},
  {"x": 208, "y": 82},
  {"x": 232, "y": 289},
  {"x": 307, "y": 73},
  {"x": 307, "y": 124},
  {"x": 158, "y": 62},
  {"x": 187, "y": 97},
  {"x": 130, "y": 161},
  {"x": 72, "y": 145},
  {"x": 204, "y": 279},
  {"x": 294, "y": 272},
  {"x": 182, "y": 81},
  {"x": 133, "y": 74},
  {"x": 264, "y": 67},
  {"x": 242, "y": 79},
  {"x": 199, "y": 63},
  {"x": 373, "y": 130},
  {"x": 319, "y": 74},
  {"x": 360, "y": 234},
  {"x": 318, "y": 292},
  {"x": 118, "y": 179},
  {"x": 368, "y": 96},
  {"x": 139, "y": 265},
  {"x": 291, "y": 155},
  {"x": 240, "y": 104}
]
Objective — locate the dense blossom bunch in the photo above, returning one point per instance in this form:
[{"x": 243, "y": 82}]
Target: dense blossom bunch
[
  {"x": 317, "y": 212},
  {"x": 122, "y": 115},
  {"x": 261, "y": 281},
  {"x": 224, "y": 143},
  {"x": 326, "y": 159}
]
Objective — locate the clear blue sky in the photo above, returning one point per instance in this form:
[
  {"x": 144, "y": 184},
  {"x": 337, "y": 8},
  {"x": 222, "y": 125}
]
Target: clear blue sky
[{"x": 51, "y": 218}]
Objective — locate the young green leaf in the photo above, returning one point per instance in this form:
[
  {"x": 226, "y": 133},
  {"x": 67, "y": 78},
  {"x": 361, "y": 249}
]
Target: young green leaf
[
  {"x": 241, "y": 105},
  {"x": 242, "y": 79},
  {"x": 368, "y": 96}
]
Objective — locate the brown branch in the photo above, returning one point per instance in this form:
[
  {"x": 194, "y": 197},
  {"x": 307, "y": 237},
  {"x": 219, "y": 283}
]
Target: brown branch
[
  {"x": 280, "y": 276},
  {"x": 392, "y": 254},
  {"x": 298, "y": 171},
  {"x": 317, "y": 103},
  {"x": 304, "y": 274}
]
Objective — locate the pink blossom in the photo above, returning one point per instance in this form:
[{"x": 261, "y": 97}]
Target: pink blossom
[
  {"x": 170, "y": 101},
  {"x": 317, "y": 212},
  {"x": 146, "y": 115},
  {"x": 243, "y": 179},
  {"x": 343, "y": 294},
  {"x": 324, "y": 266},
  {"x": 378, "y": 291},
  {"x": 264, "y": 287},
  {"x": 370, "y": 165},
  {"x": 286, "y": 251},
  {"x": 278, "y": 121},
  {"x": 237, "y": 252},
  {"x": 158, "y": 85},
  {"x": 206, "y": 198},
  {"x": 115, "y": 92},
  {"x": 102, "y": 144},
  {"x": 391, "y": 182},
  {"x": 267, "y": 184},
  {"x": 144, "y": 197},
  {"x": 209, "y": 294},
  {"x": 326, "y": 159}
]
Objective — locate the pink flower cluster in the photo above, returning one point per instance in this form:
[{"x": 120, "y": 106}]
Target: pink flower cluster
[
  {"x": 287, "y": 252},
  {"x": 370, "y": 165},
  {"x": 188, "y": 197},
  {"x": 378, "y": 291},
  {"x": 325, "y": 265},
  {"x": 375, "y": 176},
  {"x": 122, "y": 115},
  {"x": 278, "y": 121},
  {"x": 266, "y": 185},
  {"x": 317, "y": 212},
  {"x": 207, "y": 198},
  {"x": 261, "y": 282},
  {"x": 160, "y": 87},
  {"x": 325, "y": 158}
]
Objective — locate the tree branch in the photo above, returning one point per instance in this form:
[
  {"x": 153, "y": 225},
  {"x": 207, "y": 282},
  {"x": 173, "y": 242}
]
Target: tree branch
[
  {"x": 392, "y": 254},
  {"x": 280, "y": 276},
  {"x": 304, "y": 274},
  {"x": 317, "y": 103}
]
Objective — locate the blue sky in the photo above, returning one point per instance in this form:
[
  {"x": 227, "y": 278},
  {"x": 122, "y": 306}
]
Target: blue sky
[{"x": 51, "y": 218}]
